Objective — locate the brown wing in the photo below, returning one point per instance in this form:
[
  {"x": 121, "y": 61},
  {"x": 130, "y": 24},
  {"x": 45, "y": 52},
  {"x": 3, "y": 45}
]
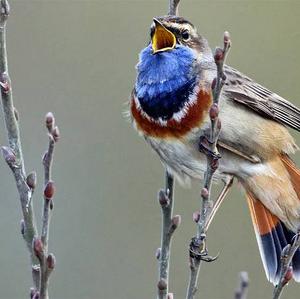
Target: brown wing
[{"x": 245, "y": 91}]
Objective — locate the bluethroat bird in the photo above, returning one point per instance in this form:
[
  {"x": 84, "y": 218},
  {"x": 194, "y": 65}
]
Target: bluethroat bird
[{"x": 169, "y": 107}]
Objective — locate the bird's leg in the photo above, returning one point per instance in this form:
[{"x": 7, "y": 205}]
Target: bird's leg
[
  {"x": 205, "y": 147},
  {"x": 198, "y": 249},
  {"x": 219, "y": 200}
]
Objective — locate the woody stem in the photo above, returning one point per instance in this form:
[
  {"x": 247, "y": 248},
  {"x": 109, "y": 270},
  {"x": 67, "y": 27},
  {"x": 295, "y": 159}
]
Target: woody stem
[
  {"x": 13, "y": 154},
  {"x": 169, "y": 225},
  {"x": 198, "y": 250},
  {"x": 287, "y": 255}
]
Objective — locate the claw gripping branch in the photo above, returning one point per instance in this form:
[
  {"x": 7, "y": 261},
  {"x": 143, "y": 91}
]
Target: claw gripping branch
[{"x": 286, "y": 270}]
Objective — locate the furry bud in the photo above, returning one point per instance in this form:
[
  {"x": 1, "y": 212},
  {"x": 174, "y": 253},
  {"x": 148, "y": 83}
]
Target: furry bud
[
  {"x": 176, "y": 220},
  {"x": 31, "y": 180},
  {"x": 288, "y": 276},
  {"x": 204, "y": 193},
  {"x": 163, "y": 198},
  {"x": 5, "y": 10},
  {"x": 50, "y": 121},
  {"x": 162, "y": 284},
  {"x": 226, "y": 37},
  {"x": 244, "y": 280},
  {"x": 49, "y": 190},
  {"x": 219, "y": 55},
  {"x": 214, "y": 164},
  {"x": 51, "y": 261},
  {"x": 214, "y": 111},
  {"x": 38, "y": 247},
  {"x": 5, "y": 86},
  {"x": 8, "y": 155}
]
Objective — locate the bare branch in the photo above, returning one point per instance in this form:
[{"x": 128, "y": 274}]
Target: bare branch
[
  {"x": 169, "y": 225},
  {"x": 42, "y": 263},
  {"x": 48, "y": 261},
  {"x": 242, "y": 289},
  {"x": 13, "y": 154},
  {"x": 286, "y": 269},
  {"x": 173, "y": 7},
  {"x": 198, "y": 250}
]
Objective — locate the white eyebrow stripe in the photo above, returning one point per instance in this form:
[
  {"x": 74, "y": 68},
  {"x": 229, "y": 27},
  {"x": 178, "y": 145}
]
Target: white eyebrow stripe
[{"x": 179, "y": 26}]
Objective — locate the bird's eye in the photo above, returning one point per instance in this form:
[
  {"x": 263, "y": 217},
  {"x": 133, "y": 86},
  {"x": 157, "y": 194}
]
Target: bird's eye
[{"x": 185, "y": 35}]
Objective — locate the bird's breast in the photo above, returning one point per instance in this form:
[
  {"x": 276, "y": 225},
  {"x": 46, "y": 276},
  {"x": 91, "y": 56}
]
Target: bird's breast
[{"x": 181, "y": 123}]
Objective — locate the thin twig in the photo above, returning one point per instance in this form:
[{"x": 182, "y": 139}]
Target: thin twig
[
  {"x": 243, "y": 285},
  {"x": 48, "y": 261},
  {"x": 194, "y": 273},
  {"x": 169, "y": 225},
  {"x": 173, "y": 7},
  {"x": 286, "y": 270},
  {"x": 42, "y": 264},
  {"x": 13, "y": 154},
  {"x": 198, "y": 251}
]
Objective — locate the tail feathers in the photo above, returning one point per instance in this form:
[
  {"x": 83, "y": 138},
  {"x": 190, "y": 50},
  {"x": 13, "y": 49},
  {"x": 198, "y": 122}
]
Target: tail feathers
[
  {"x": 293, "y": 171},
  {"x": 272, "y": 236}
]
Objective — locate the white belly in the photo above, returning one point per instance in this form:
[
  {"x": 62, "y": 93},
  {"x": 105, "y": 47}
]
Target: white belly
[{"x": 185, "y": 161}]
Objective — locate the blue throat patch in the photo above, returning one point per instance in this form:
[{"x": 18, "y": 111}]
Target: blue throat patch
[{"x": 165, "y": 80}]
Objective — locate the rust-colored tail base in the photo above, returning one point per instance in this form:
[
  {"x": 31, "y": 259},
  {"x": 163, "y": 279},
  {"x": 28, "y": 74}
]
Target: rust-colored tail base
[{"x": 271, "y": 234}]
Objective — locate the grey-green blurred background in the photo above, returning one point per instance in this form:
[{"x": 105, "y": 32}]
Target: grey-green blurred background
[{"x": 77, "y": 58}]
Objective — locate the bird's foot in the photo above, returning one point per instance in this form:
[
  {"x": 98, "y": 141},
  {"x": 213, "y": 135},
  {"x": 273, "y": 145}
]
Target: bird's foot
[
  {"x": 205, "y": 146},
  {"x": 199, "y": 251}
]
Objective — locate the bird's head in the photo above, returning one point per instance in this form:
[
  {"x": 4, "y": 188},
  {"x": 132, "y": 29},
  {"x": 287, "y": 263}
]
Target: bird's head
[{"x": 169, "y": 32}]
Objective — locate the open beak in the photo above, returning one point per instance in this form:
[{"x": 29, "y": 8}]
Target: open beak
[{"x": 163, "y": 39}]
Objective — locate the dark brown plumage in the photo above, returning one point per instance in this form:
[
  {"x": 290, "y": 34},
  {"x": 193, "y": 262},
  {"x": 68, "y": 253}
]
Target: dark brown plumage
[{"x": 245, "y": 91}]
